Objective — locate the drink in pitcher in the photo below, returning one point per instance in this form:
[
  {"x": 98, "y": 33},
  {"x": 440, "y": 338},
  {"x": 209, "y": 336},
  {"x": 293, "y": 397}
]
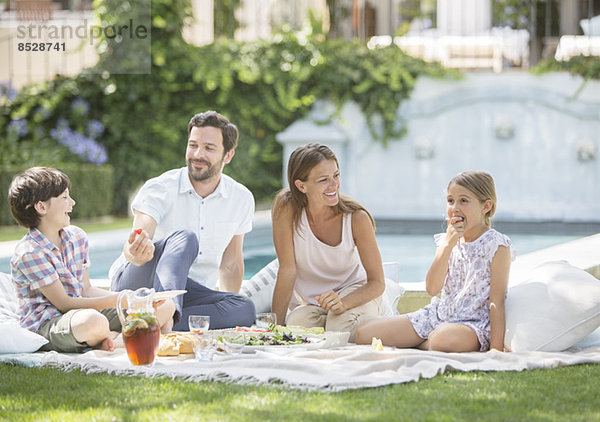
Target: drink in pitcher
[
  {"x": 141, "y": 333},
  {"x": 141, "y": 337}
]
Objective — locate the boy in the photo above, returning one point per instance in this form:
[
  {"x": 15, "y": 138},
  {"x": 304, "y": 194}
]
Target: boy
[{"x": 49, "y": 269}]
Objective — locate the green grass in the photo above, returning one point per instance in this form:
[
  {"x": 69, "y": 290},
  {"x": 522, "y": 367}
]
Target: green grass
[
  {"x": 561, "y": 394},
  {"x": 100, "y": 224}
]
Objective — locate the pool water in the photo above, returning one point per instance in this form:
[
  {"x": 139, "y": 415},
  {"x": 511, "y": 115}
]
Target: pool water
[{"x": 413, "y": 252}]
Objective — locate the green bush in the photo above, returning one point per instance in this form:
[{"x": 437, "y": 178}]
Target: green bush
[
  {"x": 91, "y": 188},
  {"x": 262, "y": 87},
  {"x": 586, "y": 66}
]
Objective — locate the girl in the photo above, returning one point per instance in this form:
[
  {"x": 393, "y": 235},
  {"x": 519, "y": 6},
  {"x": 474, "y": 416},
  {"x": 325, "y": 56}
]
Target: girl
[
  {"x": 470, "y": 269},
  {"x": 330, "y": 271}
]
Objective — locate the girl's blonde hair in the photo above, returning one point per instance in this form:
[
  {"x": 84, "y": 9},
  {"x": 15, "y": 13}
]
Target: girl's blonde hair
[
  {"x": 301, "y": 162},
  {"x": 482, "y": 185}
]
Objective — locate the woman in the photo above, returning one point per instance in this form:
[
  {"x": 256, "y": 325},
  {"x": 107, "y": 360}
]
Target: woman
[{"x": 330, "y": 271}]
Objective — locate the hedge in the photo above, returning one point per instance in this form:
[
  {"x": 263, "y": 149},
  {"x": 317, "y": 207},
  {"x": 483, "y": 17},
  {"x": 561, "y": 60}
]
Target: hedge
[
  {"x": 138, "y": 123},
  {"x": 91, "y": 188}
]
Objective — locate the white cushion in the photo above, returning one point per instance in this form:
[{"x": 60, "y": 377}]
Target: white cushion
[
  {"x": 556, "y": 307},
  {"x": 260, "y": 288},
  {"x": 393, "y": 291},
  {"x": 19, "y": 340},
  {"x": 8, "y": 299},
  {"x": 14, "y": 338}
]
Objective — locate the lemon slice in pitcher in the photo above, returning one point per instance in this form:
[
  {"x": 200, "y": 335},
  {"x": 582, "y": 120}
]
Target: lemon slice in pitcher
[{"x": 136, "y": 323}]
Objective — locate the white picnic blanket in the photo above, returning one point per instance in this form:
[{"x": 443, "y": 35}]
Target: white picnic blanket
[{"x": 348, "y": 367}]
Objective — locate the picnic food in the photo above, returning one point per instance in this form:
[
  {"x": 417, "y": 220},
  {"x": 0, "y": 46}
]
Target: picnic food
[
  {"x": 275, "y": 339},
  {"x": 377, "y": 345},
  {"x": 175, "y": 343},
  {"x": 278, "y": 335},
  {"x": 168, "y": 346}
]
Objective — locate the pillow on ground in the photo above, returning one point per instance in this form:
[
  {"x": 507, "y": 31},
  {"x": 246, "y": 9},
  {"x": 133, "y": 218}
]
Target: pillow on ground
[
  {"x": 260, "y": 288},
  {"x": 19, "y": 340},
  {"x": 393, "y": 291},
  {"x": 14, "y": 338},
  {"x": 553, "y": 309},
  {"x": 8, "y": 299}
]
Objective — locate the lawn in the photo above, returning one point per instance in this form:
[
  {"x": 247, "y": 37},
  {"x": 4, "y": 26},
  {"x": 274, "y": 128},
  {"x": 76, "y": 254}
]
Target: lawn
[
  {"x": 48, "y": 394},
  {"x": 561, "y": 394}
]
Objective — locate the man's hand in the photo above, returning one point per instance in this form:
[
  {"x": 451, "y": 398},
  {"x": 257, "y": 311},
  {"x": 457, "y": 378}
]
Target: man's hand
[{"x": 139, "y": 248}]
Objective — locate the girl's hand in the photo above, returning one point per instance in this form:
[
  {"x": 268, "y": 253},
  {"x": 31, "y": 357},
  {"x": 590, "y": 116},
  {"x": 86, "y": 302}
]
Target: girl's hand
[
  {"x": 330, "y": 301},
  {"x": 455, "y": 230}
]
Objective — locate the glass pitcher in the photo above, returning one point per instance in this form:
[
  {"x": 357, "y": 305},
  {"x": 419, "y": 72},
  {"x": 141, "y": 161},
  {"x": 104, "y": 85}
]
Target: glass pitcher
[{"x": 141, "y": 333}]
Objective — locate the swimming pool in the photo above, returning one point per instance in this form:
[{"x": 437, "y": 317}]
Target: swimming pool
[{"x": 413, "y": 251}]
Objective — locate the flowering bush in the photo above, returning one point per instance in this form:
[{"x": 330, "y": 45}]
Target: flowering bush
[
  {"x": 17, "y": 128},
  {"x": 78, "y": 135},
  {"x": 84, "y": 147},
  {"x": 139, "y": 122}
]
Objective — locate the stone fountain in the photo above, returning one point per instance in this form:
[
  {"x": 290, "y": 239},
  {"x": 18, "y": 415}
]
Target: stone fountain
[{"x": 539, "y": 136}]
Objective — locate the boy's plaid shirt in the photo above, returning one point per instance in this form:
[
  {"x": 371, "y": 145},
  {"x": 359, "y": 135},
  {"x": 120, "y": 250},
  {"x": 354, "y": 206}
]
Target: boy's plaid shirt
[{"x": 37, "y": 263}]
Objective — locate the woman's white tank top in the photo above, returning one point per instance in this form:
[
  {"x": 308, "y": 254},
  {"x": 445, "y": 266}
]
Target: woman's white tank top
[{"x": 321, "y": 267}]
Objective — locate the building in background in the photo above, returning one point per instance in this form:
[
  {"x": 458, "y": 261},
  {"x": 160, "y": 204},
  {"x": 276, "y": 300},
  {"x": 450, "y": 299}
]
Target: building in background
[{"x": 464, "y": 34}]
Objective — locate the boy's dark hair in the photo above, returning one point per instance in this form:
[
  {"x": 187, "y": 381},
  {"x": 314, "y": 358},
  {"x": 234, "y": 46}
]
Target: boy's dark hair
[
  {"x": 31, "y": 186},
  {"x": 214, "y": 119}
]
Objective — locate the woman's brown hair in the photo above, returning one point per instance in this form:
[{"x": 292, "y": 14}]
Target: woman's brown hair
[{"x": 301, "y": 162}]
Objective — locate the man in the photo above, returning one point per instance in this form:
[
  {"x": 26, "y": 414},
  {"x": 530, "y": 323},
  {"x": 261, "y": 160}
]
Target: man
[{"x": 188, "y": 231}]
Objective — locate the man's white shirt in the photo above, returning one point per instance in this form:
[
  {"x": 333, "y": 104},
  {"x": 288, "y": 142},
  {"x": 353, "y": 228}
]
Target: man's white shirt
[{"x": 170, "y": 199}]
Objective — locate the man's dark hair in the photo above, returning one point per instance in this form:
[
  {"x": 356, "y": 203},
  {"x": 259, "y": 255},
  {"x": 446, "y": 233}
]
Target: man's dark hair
[{"x": 214, "y": 119}]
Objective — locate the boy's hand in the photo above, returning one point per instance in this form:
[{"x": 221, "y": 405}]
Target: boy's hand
[{"x": 140, "y": 247}]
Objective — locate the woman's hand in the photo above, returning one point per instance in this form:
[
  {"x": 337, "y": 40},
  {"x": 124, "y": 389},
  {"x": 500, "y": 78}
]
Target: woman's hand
[{"x": 331, "y": 301}]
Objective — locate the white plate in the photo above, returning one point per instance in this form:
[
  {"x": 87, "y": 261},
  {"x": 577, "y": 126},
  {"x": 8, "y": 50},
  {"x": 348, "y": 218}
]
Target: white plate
[{"x": 168, "y": 294}]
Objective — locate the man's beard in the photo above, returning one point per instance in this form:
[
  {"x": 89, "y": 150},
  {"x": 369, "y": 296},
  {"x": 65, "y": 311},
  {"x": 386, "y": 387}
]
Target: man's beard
[{"x": 202, "y": 175}]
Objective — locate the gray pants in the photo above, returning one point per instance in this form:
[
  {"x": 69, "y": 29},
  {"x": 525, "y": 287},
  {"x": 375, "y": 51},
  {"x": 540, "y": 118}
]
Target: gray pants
[{"x": 168, "y": 270}]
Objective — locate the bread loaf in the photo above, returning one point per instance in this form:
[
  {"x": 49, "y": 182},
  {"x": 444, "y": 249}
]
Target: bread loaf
[{"x": 175, "y": 343}]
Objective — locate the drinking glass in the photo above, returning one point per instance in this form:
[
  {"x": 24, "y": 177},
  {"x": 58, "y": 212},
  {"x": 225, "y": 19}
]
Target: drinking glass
[
  {"x": 234, "y": 342},
  {"x": 198, "y": 323},
  {"x": 265, "y": 319},
  {"x": 204, "y": 345}
]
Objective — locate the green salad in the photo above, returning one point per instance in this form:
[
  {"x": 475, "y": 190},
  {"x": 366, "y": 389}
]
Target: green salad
[{"x": 274, "y": 339}]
